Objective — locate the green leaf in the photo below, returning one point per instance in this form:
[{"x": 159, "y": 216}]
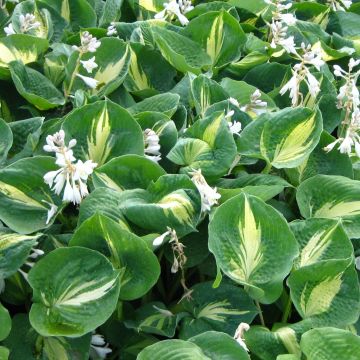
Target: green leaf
[
  {"x": 181, "y": 52},
  {"x": 253, "y": 245},
  {"x": 220, "y": 34},
  {"x": 327, "y": 293},
  {"x": 330, "y": 343},
  {"x": 319, "y": 240},
  {"x": 289, "y": 136},
  {"x": 217, "y": 345},
  {"x": 207, "y": 145},
  {"x": 35, "y": 87},
  {"x": 138, "y": 266},
  {"x": 111, "y": 12},
  {"x": 221, "y": 309},
  {"x": 172, "y": 201},
  {"x": 25, "y": 48},
  {"x": 173, "y": 350},
  {"x": 102, "y": 132},
  {"x": 75, "y": 291},
  {"x": 331, "y": 197},
  {"x": 6, "y": 140},
  {"x": 127, "y": 172},
  {"x": 5, "y": 321},
  {"x": 24, "y": 196}
]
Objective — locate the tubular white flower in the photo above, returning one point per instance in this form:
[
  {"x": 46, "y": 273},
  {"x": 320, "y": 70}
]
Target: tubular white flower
[
  {"x": 160, "y": 239},
  {"x": 239, "y": 335},
  {"x": 111, "y": 30},
  {"x": 9, "y": 30},
  {"x": 234, "y": 102},
  {"x": 89, "y": 43},
  {"x": 71, "y": 175},
  {"x": 152, "y": 146},
  {"x": 51, "y": 212},
  {"x": 235, "y": 127},
  {"x": 99, "y": 346},
  {"x": 177, "y": 9},
  {"x": 341, "y": 5},
  {"x": 90, "y": 82},
  {"x": 357, "y": 263},
  {"x": 89, "y": 65},
  {"x": 209, "y": 196},
  {"x": 256, "y": 105},
  {"x": 28, "y": 22}
]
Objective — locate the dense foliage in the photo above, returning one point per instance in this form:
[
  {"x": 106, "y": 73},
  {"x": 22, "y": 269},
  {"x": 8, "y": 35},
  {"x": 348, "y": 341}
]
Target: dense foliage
[{"x": 179, "y": 180}]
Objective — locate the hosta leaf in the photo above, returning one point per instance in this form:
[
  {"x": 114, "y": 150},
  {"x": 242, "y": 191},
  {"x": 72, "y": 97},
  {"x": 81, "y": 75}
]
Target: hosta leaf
[
  {"x": 75, "y": 290},
  {"x": 149, "y": 73},
  {"x": 154, "y": 318},
  {"x": 220, "y": 309},
  {"x": 332, "y": 197},
  {"x": 14, "y": 250},
  {"x": 6, "y": 140},
  {"x": 219, "y": 34},
  {"x": 138, "y": 266},
  {"x": 326, "y": 292},
  {"x": 289, "y": 136},
  {"x": 207, "y": 145},
  {"x": 181, "y": 52},
  {"x": 173, "y": 350},
  {"x": 5, "y": 321},
  {"x": 320, "y": 239},
  {"x": 112, "y": 66},
  {"x": 172, "y": 200},
  {"x": 217, "y": 345},
  {"x": 35, "y": 87},
  {"x": 103, "y": 132},
  {"x": 127, "y": 172},
  {"x": 330, "y": 343},
  {"x": 24, "y": 196},
  {"x": 253, "y": 245},
  {"x": 111, "y": 12},
  {"x": 25, "y": 48},
  {"x": 104, "y": 201}
]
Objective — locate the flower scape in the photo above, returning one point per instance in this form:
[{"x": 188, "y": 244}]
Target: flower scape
[{"x": 179, "y": 180}]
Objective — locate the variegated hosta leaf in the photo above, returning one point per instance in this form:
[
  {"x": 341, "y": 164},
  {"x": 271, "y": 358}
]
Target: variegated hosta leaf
[
  {"x": 207, "y": 145},
  {"x": 320, "y": 239},
  {"x": 326, "y": 292},
  {"x": 6, "y": 140},
  {"x": 103, "y": 130},
  {"x": 25, "y": 48},
  {"x": 154, "y": 318},
  {"x": 36, "y": 88},
  {"x": 75, "y": 290},
  {"x": 221, "y": 309},
  {"x": 127, "y": 172},
  {"x": 24, "y": 197},
  {"x": 219, "y": 34},
  {"x": 180, "y": 51},
  {"x": 330, "y": 343},
  {"x": 206, "y": 92},
  {"x": 14, "y": 250},
  {"x": 24, "y": 342},
  {"x": 43, "y": 17},
  {"x": 112, "y": 66},
  {"x": 289, "y": 136},
  {"x": 172, "y": 201},
  {"x": 138, "y": 266},
  {"x": 332, "y": 197},
  {"x": 149, "y": 73},
  {"x": 253, "y": 245}
]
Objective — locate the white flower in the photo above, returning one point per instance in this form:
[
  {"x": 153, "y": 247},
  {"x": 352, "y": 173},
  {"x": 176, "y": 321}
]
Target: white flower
[
  {"x": 279, "y": 37},
  {"x": 313, "y": 84},
  {"x": 239, "y": 335},
  {"x": 28, "y": 22},
  {"x": 357, "y": 263},
  {"x": 89, "y": 65},
  {"x": 341, "y": 5},
  {"x": 89, "y": 43},
  {"x": 99, "y": 346},
  {"x": 90, "y": 82},
  {"x": 51, "y": 212},
  {"x": 174, "y": 8},
  {"x": 288, "y": 19},
  {"x": 234, "y": 102},
  {"x": 346, "y": 144},
  {"x": 71, "y": 175},
  {"x": 229, "y": 114},
  {"x": 235, "y": 127},
  {"x": 312, "y": 57},
  {"x": 256, "y": 105},
  {"x": 209, "y": 196},
  {"x": 111, "y": 30},
  {"x": 152, "y": 146},
  {"x": 9, "y": 30},
  {"x": 293, "y": 87},
  {"x": 160, "y": 239}
]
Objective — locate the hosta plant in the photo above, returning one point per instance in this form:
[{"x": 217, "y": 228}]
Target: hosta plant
[{"x": 179, "y": 179}]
